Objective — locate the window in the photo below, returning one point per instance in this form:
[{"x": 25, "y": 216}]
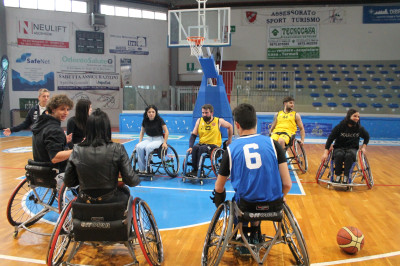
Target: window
[
  {"x": 160, "y": 16},
  {"x": 46, "y": 4},
  {"x": 148, "y": 14},
  {"x": 63, "y": 5},
  {"x": 121, "y": 11},
  {"x": 107, "y": 10},
  {"x": 135, "y": 13},
  {"x": 79, "y": 7},
  {"x": 28, "y": 4},
  {"x": 11, "y": 3}
]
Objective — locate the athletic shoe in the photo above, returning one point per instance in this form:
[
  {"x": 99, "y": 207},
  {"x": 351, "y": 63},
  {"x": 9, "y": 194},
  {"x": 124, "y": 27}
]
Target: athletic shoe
[
  {"x": 192, "y": 173},
  {"x": 337, "y": 180},
  {"x": 345, "y": 178}
]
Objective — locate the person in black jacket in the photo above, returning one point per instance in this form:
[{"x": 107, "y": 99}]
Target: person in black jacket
[
  {"x": 49, "y": 143},
  {"x": 347, "y": 138},
  {"x": 97, "y": 162},
  {"x": 76, "y": 125},
  {"x": 33, "y": 113}
]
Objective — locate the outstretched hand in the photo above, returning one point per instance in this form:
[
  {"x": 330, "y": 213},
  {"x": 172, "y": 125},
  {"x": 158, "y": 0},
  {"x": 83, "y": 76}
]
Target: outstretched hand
[{"x": 7, "y": 132}]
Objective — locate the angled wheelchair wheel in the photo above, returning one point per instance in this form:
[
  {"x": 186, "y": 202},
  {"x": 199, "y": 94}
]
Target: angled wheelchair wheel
[
  {"x": 25, "y": 203},
  {"x": 365, "y": 168},
  {"x": 170, "y": 161},
  {"x": 218, "y": 234},
  {"x": 323, "y": 169},
  {"x": 61, "y": 237},
  {"x": 134, "y": 159},
  {"x": 216, "y": 158},
  {"x": 300, "y": 156},
  {"x": 65, "y": 195},
  {"x": 294, "y": 237},
  {"x": 146, "y": 229}
]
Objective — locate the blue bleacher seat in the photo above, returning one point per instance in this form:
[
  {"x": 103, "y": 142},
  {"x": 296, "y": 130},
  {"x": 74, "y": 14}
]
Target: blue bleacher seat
[
  {"x": 343, "y": 95},
  {"x": 247, "y": 78},
  {"x": 324, "y": 79},
  {"x": 380, "y": 88},
  {"x": 347, "y": 105},
  {"x": 298, "y": 78},
  {"x": 312, "y": 86},
  {"x": 384, "y": 72},
  {"x": 273, "y": 86},
  {"x": 314, "y": 95},
  {"x": 332, "y": 105},
  {"x": 362, "y": 105},
  {"x": 343, "y": 65},
  {"x": 284, "y": 66},
  {"x": 367, "y": 66},
  {"x": 377, "y": 105},
  {"x": 397, "y": 72},
  {"x": 249, "y": 65},
  {"x": 310, "y": 79},
  {"x": 393, "y": 65},
  {"x": 357, "y": 96},
  {"x": 326, "y": 87},
  {"x": 387, "y": 96},
  {"x": 297, "y": 72},
  {"x": 366, "y": 87},
  {"x": 389, "y": 80},
  {"x": 295, "y": 65},
  {"x": 260, "y": 65},
  {"x": 286, "y": 86},
  {"x": 395, "y": 88},
  {"x": 331, "y": 65},
  {"x": 332, "y": 72},
  {"x": 320, "y": 72},
  {"x": 398, "y": 96},
  {"x": 272, "y": 78},
  {"x": 377, "y": 80},
  {"x": 299, "y": 86},
  {"x": 345, "y": 72},
  {"x": 371, "y": 73},
  {"x": 317, "y": 104},
  {"x": 372, "y": 96},
  {"x": 328, "y": 95},
  {"x": 248, "y": 72},
  {"x": 393, "y": 105},
  {"x": 358, "y": 72},
  {"x": 380, "y": 66},
  {"x": 272, "y": 65},
  {"x": 262, "y": 78},
  {"x": 353, "y": 87},
  {"x": 349, "y": 80},
  {"x": 354, "y": 66},
  {"x": 362, "y": 80},
  {"x": 307, "y": 66},
  {"x": 285, "y": 78},
  {"x": 336, "y": 79},
  {"x": 309, "y": 72},
  {"x": 260, "y": 72},
  {"x": 319, "y": 65},
  {"x": 260, "y": 86}
]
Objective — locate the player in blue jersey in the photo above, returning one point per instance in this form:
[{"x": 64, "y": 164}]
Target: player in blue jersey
[{"x": 258, "y": 169}]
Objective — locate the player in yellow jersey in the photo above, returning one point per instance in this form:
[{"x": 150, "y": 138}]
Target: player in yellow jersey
[
  {"x": 207, "y": 127},
  {"x": 286, "y": 122}
]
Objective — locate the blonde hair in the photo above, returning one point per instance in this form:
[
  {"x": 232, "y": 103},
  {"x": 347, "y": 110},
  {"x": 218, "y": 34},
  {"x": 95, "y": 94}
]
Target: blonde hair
[{"x": 43, "y": 90}]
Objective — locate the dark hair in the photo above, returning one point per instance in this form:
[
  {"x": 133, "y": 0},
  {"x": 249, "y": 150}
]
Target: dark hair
[
  {"x": 208, "y": 106},
  {"x": 98, "y": 129},
  {"x": 82, "y": 113},
  {"x": 145, "y": 116},
  {"x": 57, "y": 101},
  {"x": 347, "y": 119},
  {"x": 245, "y": 115},
  {"x": 288, "y": 99}
]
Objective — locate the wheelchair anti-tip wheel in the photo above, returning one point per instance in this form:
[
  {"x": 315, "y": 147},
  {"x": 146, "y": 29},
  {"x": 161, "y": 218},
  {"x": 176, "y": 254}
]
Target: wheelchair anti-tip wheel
[
  {"x": 216, "y": 158},
  {"x": 170, "y": 161},
  {"x": 323, "y": 169},
  {"x": 366, "y": 169},
  {"x": 218, "y": 234},
  {"x": 25, "y": 202},
  {"x": 65, "y": 195},
  {"x": 294, "y": 237},
  {"x": 146, "y": 229},
  {"x": 300, "y": 156},
  {"x": 61, "y": 237}
]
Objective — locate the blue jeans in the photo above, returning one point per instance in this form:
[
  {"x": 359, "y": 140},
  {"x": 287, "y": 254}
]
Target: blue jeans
[{"x": 144, "y": 148}]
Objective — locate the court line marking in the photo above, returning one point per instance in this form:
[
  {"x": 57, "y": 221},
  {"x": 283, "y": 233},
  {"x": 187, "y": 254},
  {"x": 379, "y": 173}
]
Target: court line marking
[
  {"x": 373, "y": 257},
  {"x": 5, "y": 257}
]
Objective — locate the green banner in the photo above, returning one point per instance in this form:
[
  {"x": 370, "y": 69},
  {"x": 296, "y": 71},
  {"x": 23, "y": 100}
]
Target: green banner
[{"x": 293, "y": 53}]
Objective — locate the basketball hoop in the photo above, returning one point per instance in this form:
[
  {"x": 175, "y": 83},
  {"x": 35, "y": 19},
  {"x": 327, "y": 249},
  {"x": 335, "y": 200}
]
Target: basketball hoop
[{"x": 196, "y": 44}]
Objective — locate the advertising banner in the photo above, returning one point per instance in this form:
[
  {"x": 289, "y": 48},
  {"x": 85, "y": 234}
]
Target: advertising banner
[
  {"x": 34, "y": 32},
  {"x": 294, "y": 16},
  {"x": 121, "y": 44},
  {"x": 126, "y": 71},
  {"x": 75, "y": 81},
  {"x": 293, "y": 42},
  {"x": 32, "y": 71},
  {"x": 87, "y": 63},
  {"x": 381, "y": 14},
  {"x": 104, "y": 99}
]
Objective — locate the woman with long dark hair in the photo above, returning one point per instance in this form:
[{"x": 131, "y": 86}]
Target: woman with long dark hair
[
  {"x": 347, "y": 138},
  {"x": 97, "y": 162},
  {"x": 157, "y": 133},
  {"x": 77, "y": 124}
]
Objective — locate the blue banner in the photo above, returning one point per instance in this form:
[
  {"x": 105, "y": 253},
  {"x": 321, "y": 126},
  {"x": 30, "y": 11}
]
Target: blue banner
[{"x": 381, "y": 14}]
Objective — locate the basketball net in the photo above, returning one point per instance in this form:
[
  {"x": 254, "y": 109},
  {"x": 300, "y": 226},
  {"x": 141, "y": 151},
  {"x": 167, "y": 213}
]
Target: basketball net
[{"x": 196, "y": 45}]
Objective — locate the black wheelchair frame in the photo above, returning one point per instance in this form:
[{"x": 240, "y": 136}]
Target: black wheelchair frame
[
  {"x": 297, "y": 157},
  {"x": 360, "y": 173},
  {"x": 222, "y": 233}
]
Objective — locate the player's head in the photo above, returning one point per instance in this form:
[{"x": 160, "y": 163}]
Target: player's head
[
  {"x": 245, "y": 115},
  {"x": 353, "y": 117},
  {"x": 82, "y": 111},
  {"x": 44, "y": 96},
  {"x": 98, "y": 129},
  {"x": 288, "y": 103},
  {"x": 59, "y": 106},
  {"x": 150, "y": 113},
  {"x": 207, "y": 112}
]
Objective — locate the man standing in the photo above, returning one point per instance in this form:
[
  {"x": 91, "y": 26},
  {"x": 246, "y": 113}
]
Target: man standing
[
  {"x": 33, "y": 113},
  {"x": 208, "y": 129}
]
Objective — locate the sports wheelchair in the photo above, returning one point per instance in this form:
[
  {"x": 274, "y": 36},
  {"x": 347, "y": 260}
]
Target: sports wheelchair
[
  {"x": 360, "y": 172},
  {"x": 130, "y": 223},
  {"x": 222, "y": 234},
  {"x": 167, "y": 158},
  {"x": 204, "y": 169},
  {"x": 35, "y": 196},
  {"x": 297, "y": 155}
]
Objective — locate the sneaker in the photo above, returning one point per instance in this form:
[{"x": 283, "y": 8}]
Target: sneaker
[
  {"x": 192, "y": 173},
  {"x": 337, "y": 179},
  {"x": 243, "y": 251},
  {"x": 345, "y": 179}
]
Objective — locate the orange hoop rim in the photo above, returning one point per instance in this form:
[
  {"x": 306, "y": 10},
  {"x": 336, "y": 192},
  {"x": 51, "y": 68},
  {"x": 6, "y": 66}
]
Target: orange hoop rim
[{"x": 197, "y": 40}]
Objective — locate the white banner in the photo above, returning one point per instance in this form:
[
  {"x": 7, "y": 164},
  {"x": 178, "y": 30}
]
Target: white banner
[
  {"x": 33, "y": 32},
  {"x": 87, "y": 63},
  {"x": 100, "y": 99},
  {"x": 294, "y": 16},
  {"x": 121, "y": 44},
  {"x": 126, "y": 71},
  {"x": 75, "y": 81},
  {"x": 293, "y": 36}
]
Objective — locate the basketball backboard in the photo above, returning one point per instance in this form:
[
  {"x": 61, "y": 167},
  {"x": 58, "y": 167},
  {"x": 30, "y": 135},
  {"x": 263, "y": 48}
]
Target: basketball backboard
[{"x": 214, "y": 24}]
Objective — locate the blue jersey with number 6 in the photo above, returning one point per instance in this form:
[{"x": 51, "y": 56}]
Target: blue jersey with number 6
[{"x": 254, "y": 169}]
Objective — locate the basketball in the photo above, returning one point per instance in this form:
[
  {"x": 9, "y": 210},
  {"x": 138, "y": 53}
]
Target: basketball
[{"x": 350, "y": 239}]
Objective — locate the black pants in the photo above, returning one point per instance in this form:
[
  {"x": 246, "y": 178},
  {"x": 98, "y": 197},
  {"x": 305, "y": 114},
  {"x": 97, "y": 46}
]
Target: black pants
[
  {"x": 348, "y": 156},
  {"x": 197, "y": 150}
]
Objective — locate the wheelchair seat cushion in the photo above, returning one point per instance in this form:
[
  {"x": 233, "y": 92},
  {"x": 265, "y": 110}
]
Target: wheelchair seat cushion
[
  {"x": 257, "y": 211},
  {"x": 41, "y": 174}
]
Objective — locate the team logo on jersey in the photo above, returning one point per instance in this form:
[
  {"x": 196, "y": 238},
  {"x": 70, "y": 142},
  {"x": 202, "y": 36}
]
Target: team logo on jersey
[
  {"x": 213, "y": 124},
  {"x": 291, "y": 114},
  {"x": 208, "y": 128},
  {"x": 251, "y": 16}
]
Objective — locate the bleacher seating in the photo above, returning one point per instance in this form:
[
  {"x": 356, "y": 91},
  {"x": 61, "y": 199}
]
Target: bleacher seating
[
  {"x": 387, "y": 96},
  {"x": 362, "y": 106},
  {"x": 332, "y": 105},
  {"x": 343, "y": 96},
  {"x": 357, "y": 96},
  {"x": 372, "y": 96}
]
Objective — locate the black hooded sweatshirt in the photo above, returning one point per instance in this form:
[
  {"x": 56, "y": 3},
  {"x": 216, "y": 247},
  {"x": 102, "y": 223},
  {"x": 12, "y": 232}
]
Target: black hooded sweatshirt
[
  {"x": 347, "y": 137},
  {"x": 48, "y": 139}
]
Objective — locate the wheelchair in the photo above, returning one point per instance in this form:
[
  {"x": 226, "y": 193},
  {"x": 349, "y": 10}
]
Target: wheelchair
[
  {"x": 158, "y": 159},
  {"x": 34, "y": 197},
  {"x": 360, "y": 173},
  {"x": 130, "y": 223},
  {"x": 297, "y": 155},
  {"x": 205, "y": 169},
  {"x": 223, "y": 235}
]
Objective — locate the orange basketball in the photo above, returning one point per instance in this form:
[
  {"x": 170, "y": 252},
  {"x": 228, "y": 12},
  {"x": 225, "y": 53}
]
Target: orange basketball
[{"x": 350, "y": 239}]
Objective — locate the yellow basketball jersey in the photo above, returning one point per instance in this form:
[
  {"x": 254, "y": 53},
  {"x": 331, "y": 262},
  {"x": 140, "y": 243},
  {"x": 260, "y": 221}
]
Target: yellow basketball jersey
[
  {"x": 209, "y": 132},
  {"x": 286, "y": 122}
]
